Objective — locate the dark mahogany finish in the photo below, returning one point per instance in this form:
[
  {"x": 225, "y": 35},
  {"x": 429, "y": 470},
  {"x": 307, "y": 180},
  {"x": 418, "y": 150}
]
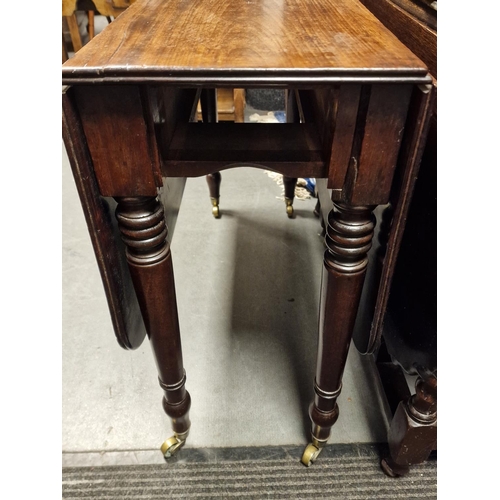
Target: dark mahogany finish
[
  {"x": 348, "y": 239},
  {"x": 360, "y": 104},
  {"x": 413, "y": 432},
  {"x": 141, "y": 221},
  {"x": 410, "y": 336},
  {"x": 214, "y": 181},
  {"x": 325, "y": 41},
  {"x": 413, "y": 22},
  {"x": 289, "y": 184},
  {"x": 124, "y": 308}
]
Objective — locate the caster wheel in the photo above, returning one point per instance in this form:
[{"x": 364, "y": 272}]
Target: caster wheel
[
  {"x": 289, "y": 207},
  {"x": 171, "y": 446},
  {"x": 215, "y": 207},
  {"x": 310, "y": 455}
]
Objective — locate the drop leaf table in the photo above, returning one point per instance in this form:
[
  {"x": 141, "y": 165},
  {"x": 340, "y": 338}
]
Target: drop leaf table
[{"x": 361, "y": 100}]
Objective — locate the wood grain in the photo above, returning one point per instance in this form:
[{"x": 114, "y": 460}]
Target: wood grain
[
  {"x": 373, "y": 166},
  {"x": 157, "y": 40},
  {"x": 202, "y": 148},
  {"x": 345, "y": 121},
  {"x": 122, "y": 301},
  {"x": 118, "y": 133},
  {"x": 414, "y": 140}
]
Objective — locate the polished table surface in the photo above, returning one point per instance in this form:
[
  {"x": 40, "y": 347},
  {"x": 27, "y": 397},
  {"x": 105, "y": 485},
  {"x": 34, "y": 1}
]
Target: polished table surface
[
  {"x": 358, "y": 105},
  {"x": 252, "y": 41}
]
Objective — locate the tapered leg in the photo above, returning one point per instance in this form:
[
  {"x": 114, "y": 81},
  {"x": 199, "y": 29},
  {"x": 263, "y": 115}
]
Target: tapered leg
[
  {"x": 208, "y": 100},
  {"x": 292, "y": 116},
  {"x": 141, "y": 221},
  {"x": 348, "y": 239}
]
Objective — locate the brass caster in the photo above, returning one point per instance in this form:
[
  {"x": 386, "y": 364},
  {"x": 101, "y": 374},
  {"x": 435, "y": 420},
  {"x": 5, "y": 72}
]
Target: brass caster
[
  {"x": 310, "y": 454},
  {"x": 215, "y": 207},
  {"x": 289, "y": 207},
  {"x": 173, "y": 444}
]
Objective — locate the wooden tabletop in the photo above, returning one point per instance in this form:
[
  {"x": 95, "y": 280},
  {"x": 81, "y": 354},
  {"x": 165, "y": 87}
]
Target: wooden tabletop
[{"x": 264, "y": 42}]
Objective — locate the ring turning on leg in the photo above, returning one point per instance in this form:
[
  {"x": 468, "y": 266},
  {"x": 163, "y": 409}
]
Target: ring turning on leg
[
  {"x": 141, "y": 221},
  {"x": 348, "y": 238}
]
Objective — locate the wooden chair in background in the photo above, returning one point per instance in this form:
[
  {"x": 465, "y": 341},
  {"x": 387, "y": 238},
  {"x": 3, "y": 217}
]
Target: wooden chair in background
[
  {"x": 108, "y": 8},
  {"x": 228, "y": 104},
  {"x": 223, "y": 104}
]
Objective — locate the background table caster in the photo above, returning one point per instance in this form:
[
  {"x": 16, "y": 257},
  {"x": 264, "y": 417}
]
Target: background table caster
[
  {"x": 215, "y": 207},
  {"x": 310, "y": 454},
  {"x": 173, "y": 444},
  {"x": 289, "y": 207}
]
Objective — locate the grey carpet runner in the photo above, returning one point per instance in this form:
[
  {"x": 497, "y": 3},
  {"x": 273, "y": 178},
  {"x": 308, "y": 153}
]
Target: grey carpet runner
[{"x": 341, "y": 472}]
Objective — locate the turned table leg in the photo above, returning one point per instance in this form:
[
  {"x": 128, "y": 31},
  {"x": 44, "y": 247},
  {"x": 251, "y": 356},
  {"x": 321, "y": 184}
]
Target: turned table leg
[
  {"x": 141, "y": 221},
  {"x": 348, "y": 239}
]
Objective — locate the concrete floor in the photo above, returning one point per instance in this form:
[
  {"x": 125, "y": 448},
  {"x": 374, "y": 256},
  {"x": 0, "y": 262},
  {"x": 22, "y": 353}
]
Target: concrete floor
[{"x": 248, "y": 290}]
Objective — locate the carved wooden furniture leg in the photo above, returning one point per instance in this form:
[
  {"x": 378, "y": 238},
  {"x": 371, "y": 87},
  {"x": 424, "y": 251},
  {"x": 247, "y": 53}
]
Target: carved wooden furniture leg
[
  {"x": 348, "y": 239},
  {"x": 141, "y": 221},
  {"x": 289, "y": 183},
  {"x": 413, "y": 431},
  {"x": 208, "y": 101}
]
